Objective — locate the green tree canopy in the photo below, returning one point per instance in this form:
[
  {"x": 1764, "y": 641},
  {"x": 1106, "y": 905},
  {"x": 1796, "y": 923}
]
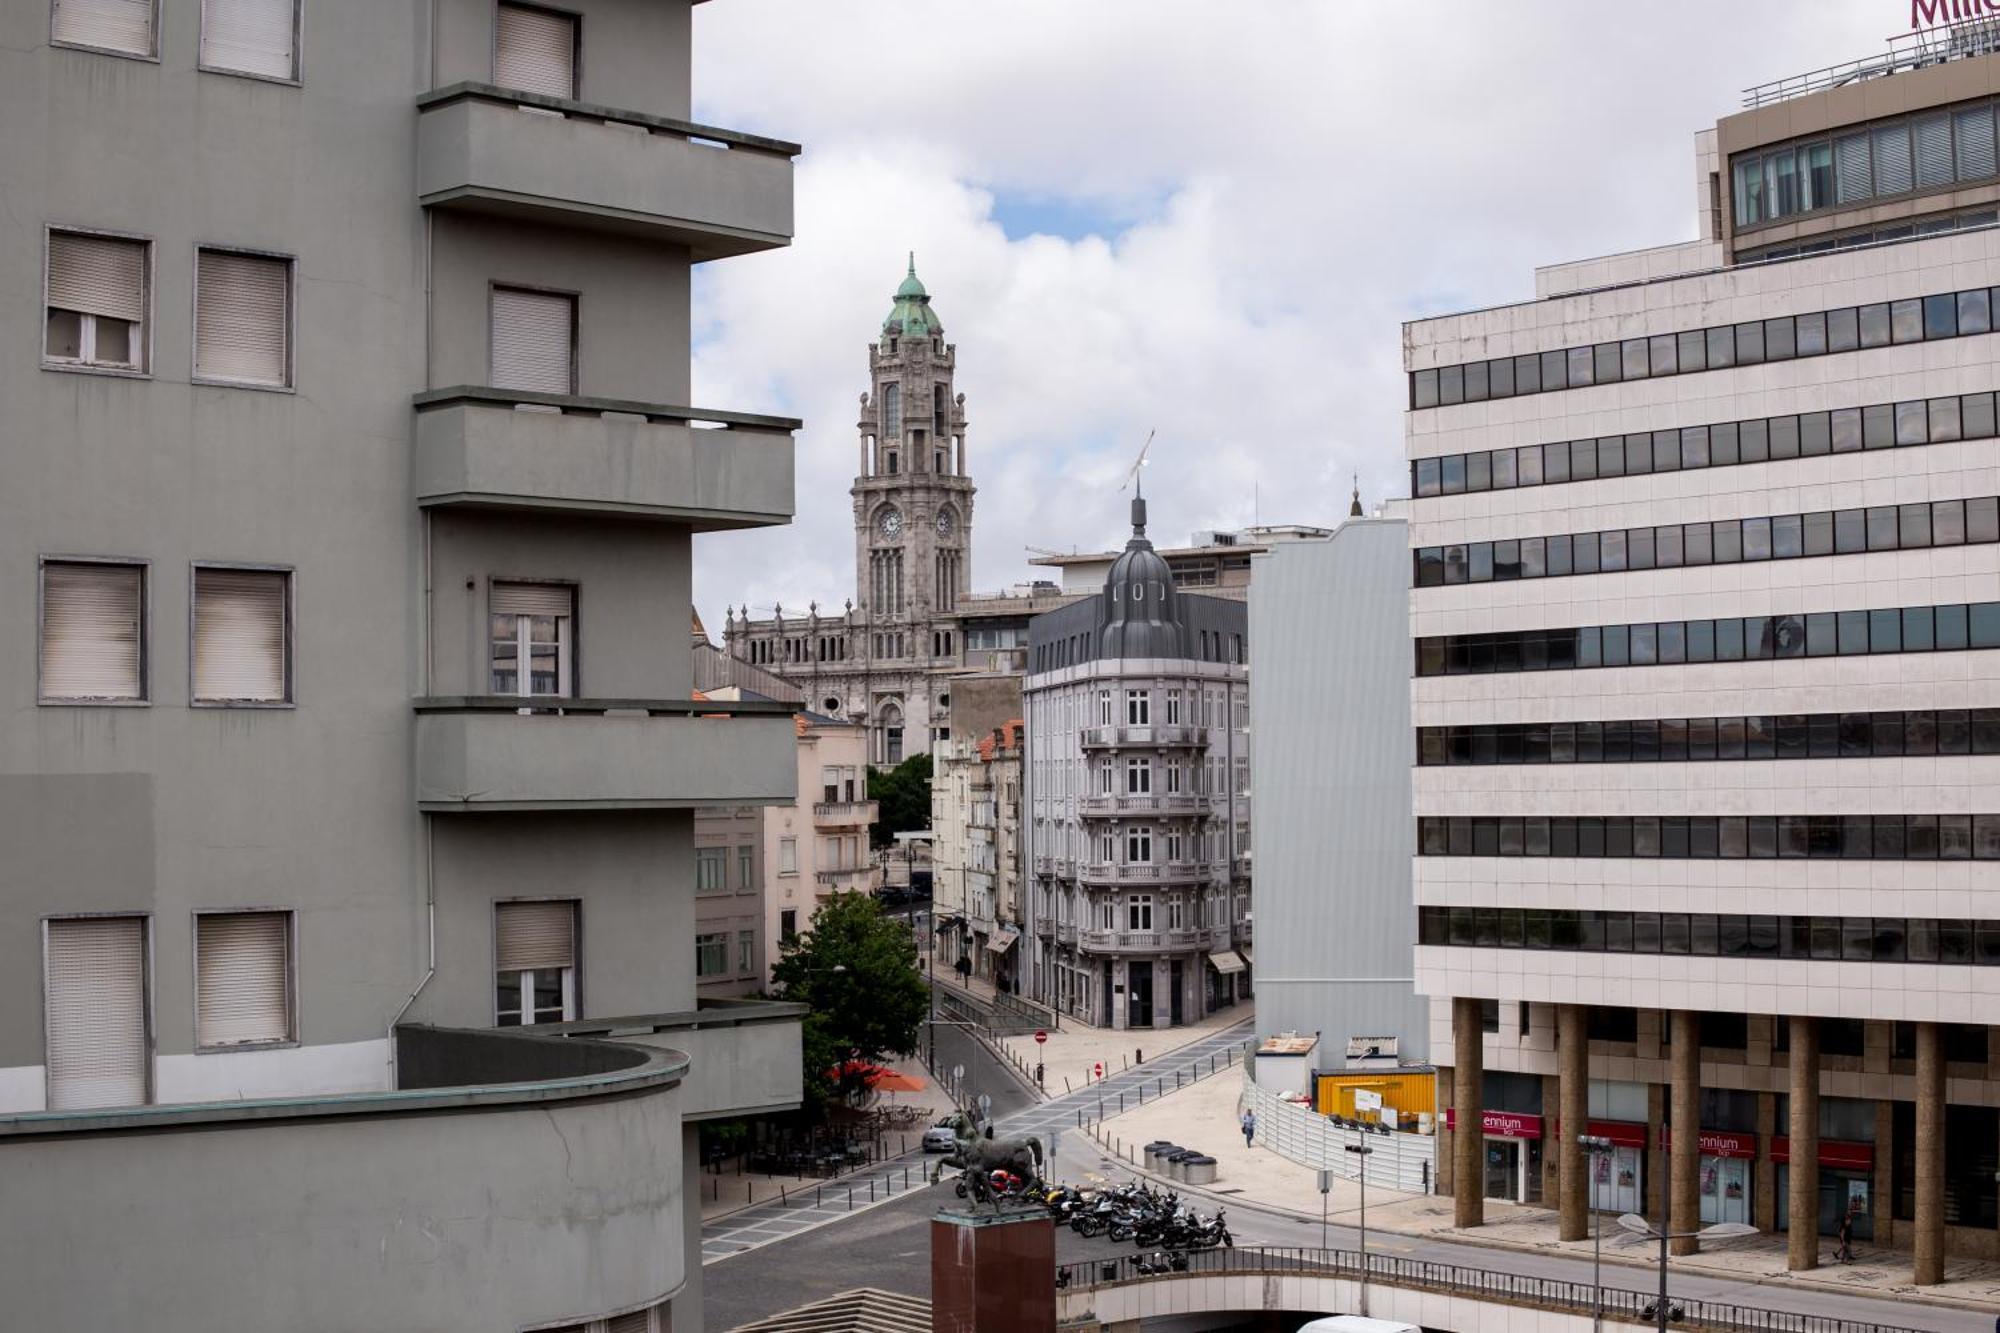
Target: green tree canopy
[
  {"x": 872, "y": 1006},
  {"x": 905, "y": 796}
]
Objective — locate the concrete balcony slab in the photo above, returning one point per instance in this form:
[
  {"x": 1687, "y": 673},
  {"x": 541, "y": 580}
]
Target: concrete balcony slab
[
  {"x": 743, "y": 1055},
  {"x": 549, "y": 159},
  {"x": 484, "y": 754},
  {"x": 506, "y": 449}
]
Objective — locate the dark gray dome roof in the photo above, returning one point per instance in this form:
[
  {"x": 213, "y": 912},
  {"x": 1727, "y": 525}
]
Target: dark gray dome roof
[{"x": 1141, "y": 610}]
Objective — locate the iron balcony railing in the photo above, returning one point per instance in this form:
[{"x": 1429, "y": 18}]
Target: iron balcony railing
[{"x": 1484, "y": 1284}]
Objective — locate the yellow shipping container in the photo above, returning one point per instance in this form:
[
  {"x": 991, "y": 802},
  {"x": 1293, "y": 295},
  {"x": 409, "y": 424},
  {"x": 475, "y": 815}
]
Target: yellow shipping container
[{"x": 1405, "y": 1093}]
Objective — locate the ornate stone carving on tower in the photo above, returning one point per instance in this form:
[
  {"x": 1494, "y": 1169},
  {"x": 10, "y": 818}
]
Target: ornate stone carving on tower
[{"x": 889, "y": 659}]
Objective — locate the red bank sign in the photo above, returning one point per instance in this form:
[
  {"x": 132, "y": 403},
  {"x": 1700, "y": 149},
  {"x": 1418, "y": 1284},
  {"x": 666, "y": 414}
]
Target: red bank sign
[{"x": 1937, "y": 13}]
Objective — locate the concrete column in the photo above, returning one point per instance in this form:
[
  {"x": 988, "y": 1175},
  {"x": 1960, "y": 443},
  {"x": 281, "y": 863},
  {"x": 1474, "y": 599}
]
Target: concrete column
[
  {"x": 1684, "y": 1159},
  {"x": 1656, "y": 1156},
  {"x": 1549, "y": 1187},
  {"x": 1468, "y": 1104},
  {"x": 1446, "y": 1153},
  {"x": 1573, "y": 1074},
  {"x": 1764, "y": 1171},
  {"x": 1929, "y": 1245},
  {"x": 1882, "y": 1187},
  {"x": 1802, "y": 1209}
]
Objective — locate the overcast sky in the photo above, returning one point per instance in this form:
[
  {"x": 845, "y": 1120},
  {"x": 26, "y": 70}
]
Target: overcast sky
[{"x": 1206, "y": 219}]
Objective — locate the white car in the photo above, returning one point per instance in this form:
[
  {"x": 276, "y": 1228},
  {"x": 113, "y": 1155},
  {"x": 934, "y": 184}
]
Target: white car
[{"x": 941, "y": 1137}]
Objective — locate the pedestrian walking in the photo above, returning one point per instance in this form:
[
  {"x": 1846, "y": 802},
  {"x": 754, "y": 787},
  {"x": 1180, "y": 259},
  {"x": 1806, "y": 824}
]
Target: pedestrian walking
[
  {"x": 1846, "y": 1251},
  {"x": 1249, "y": 1128}
]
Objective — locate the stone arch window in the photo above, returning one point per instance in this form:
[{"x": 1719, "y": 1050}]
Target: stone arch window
[{"x": 892, "y": 410}]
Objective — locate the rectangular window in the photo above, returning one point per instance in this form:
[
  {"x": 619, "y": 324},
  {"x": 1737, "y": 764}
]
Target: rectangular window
[
  {"x": 711, "y": 955},
  {"x": 242, "y": 319},
  {"x": 534, "y": 962},
  {"x": 533, "y": 343},
  {"x": 746, "y": 952},
  {"x": 93, "y": 632},
  {"x": 97, "y": 293},
  {"x": 1138, "y": 708},
  {"x": 534, "y": 50},
  {"x": 1138, "y": 777},
  {"x": 788, "y": 856},
  {"x": 257, "y": 37},
  {"x": 242, "y": 623},
  {"x": 124, "y": 26},
  {"x": 95, "y": 1008},
  {"x": 746, "y": 869},
  {"x": 243, "y": 979},
  {"x": 711, "y": 870},
  {"x": 533, "y": 639}
]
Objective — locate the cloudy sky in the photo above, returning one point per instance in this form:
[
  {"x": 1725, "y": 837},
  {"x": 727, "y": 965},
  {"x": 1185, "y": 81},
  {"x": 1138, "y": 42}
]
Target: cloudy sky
[{"x": 1206, "y": 219}]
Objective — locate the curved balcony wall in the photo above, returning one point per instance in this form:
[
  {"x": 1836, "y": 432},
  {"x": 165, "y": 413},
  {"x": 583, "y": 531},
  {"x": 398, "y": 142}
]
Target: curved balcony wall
[{"x": 509, "y": 1181}]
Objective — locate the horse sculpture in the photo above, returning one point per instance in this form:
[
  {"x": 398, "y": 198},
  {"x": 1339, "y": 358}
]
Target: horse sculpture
[{"x": 980, "y": 1157}]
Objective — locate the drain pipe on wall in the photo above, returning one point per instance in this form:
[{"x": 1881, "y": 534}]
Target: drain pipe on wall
[{"x": 431, "y": 940}]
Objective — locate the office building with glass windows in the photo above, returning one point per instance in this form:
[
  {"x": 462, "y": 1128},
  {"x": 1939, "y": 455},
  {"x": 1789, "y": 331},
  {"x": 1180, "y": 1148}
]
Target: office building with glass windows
[
  {"x": 1705, "y": 608},
  {"x": 349, "y": 748}
]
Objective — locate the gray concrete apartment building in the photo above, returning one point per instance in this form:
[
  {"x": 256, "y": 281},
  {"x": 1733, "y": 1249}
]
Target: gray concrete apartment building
[
  {"x": 1705, "y": 559},
  {"x": 1137, "y": 795},
  {"x": 1334, "y": 915},
  {"x": 347, "y": 503}
]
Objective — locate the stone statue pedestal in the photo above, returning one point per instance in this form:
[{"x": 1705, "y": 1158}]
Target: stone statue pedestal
[{"x": 993, "y": 1272}]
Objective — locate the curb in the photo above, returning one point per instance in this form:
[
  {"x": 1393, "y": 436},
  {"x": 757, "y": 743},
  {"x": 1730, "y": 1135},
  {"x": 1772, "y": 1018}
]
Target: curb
[{"x": 1522, "y": 1247}]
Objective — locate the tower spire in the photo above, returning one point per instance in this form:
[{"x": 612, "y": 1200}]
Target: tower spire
[{"x": 1354, "y": 508}]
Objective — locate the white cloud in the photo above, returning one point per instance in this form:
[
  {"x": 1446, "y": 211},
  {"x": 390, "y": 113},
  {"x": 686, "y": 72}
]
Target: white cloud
[{"x": 1305, "y": 176}]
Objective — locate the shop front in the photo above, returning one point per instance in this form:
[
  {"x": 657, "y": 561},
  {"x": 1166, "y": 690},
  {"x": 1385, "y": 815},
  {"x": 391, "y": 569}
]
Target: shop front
[
  {"x": 1846, "y": 1181},
  {"x": 1618, "y": 1177},
  {"x": 1513, "y": 1154},
  {"x": 1725, "y": 1174}
]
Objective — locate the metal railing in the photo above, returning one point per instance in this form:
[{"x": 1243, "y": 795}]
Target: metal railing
[
  {"x": 1908, "y": 51},
  {"x": 1134, "y": 1096},
  {"x": 1399, "y": 1161},
  {"x": 1484, "y": 1284},
  {"x": 1153, "y": 941}
]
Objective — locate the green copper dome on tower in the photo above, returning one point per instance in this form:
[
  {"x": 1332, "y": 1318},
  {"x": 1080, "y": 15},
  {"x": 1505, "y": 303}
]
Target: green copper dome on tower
[{"x": 912, "y": 315}]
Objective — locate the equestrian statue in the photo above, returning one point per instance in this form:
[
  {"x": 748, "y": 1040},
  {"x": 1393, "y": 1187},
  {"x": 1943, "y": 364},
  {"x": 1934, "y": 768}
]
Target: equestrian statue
[{"x": 994, "y": 1168}]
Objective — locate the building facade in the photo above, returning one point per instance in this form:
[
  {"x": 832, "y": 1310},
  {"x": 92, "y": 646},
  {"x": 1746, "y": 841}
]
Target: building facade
[
  {"x": 976, "y": 853},
  {"x": 1328, "y": 622},
  {"x": 1707, "y": 702},
  {"x": 817, "y": 846},
  {"x": 885, "y": 660},
  {"x": 1138, "y": 799},
  {"x": 347, "y": 734}
]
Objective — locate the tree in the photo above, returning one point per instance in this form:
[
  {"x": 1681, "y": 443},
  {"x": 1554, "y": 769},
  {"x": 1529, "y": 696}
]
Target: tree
[
  {"x": 857, "y": 970},
  {"x": 905, "y": 796}
]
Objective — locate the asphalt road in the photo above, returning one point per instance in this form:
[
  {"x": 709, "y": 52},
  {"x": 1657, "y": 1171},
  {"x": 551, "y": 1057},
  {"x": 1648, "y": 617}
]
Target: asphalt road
[{"x": 985, "y": 1072}]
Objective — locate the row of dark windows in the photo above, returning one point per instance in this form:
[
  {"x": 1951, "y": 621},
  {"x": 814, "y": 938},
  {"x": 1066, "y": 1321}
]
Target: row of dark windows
[
  {"x": 1715, "y": 837},
  {"x": 1968, "y": 416},
  {"x": 1913, "y": 319},
  {"x": 1852, "y": 939},
  {"x": 1909, "y": 629},
  {"x": 1918, "y": 732},
  {"x": 1909, "y": 527}
]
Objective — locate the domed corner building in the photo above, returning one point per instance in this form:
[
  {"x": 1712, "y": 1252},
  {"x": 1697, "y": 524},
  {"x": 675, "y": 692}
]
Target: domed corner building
[{"x": 1138, "y": 799}]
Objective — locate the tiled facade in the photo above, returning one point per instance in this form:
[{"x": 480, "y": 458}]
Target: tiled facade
[{"x": 1906, "y": 1118}]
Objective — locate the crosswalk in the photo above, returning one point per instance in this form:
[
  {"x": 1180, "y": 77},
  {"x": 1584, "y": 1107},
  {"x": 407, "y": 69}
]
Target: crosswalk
[{"x": 817, "y": 1205}]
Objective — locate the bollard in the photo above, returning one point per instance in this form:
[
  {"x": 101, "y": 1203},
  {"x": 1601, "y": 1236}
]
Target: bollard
[
  {"x": 815, "y": 1196},
  {"x": 871, "y": 1191},
  {"x": 782, "y": 1200},
  {"x": 850, "y": 1199},
  {"x": 749, "y": 1191}
]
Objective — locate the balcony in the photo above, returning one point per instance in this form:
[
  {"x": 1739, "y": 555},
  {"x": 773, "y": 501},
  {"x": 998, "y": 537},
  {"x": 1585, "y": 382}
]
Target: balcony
[
  {"x": 1153, "y": 941},
  {"x": 548, "y": 159},
  {"x": 505, "y": 753},
  {"x": 1045, "y": 865},
  {"x": 508, "y": 1180},
  {"x": 477, "y": 448},
  {"x": 1066, "y": 932},
  {"x": 850, "y": 879},
  {"x": 1181, "y": 804},
  {"x": 846, "y": 814},
  {"x": 1166, "y": 734},
  {"x": 1114, "y": 874},
  {"x": 743, "y": 1055}
]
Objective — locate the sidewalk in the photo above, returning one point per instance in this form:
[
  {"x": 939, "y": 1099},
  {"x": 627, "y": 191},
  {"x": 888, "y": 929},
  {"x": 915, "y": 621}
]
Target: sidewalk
[
  {"x": 1204, "y": 1116},
  {"x": 1073, "y": 1051}
]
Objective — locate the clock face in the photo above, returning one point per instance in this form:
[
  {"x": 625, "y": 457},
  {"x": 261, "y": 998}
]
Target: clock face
[
  {"x": 946, "y": 524},
  {"x": 891, "y": 524}
]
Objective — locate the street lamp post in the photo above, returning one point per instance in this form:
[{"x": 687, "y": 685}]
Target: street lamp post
[
  {"x": 1596, "y": 1147},
  {"x": 1640, "y": 1227},
  {"x": 1364, "y": 1152}
]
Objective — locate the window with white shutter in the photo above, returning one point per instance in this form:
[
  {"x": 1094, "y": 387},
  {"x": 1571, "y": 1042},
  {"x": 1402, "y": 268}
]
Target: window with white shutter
[
  {"x": 243, "y": 318},
  {"x": 243, "y": 979},
  {"x": 534, "y": 341},
  {"x": 257, "y": 37},
  {"x": 241, "y": 646},
  {"x": 534, "y": 962},
  {"x": 98, "y": 1029},
  {"x": 532, "y": 638},
  {"x": 534, "y": 50},
  {"x": 124, "y": 26},
  {"x": 93, "y": 632},
  {"x": 96, "y": 310}
]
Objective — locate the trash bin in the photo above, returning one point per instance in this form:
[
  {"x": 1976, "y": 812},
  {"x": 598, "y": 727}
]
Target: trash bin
[
  {"x": 1200, "y": 1169},
  {"x": 1156, "y": 1150},
  {"x": 1177, "y": 1164}
]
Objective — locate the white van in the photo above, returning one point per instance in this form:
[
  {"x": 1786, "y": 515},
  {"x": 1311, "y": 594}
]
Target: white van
[{"x": 1354, "y": 1323}]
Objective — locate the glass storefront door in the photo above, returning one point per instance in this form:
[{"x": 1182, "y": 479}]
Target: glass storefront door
[
  {"x": 1616, "y": 1181},
  {"x": 1725, "y": 1189},
  {"x": 1503, "y": 1169}
]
